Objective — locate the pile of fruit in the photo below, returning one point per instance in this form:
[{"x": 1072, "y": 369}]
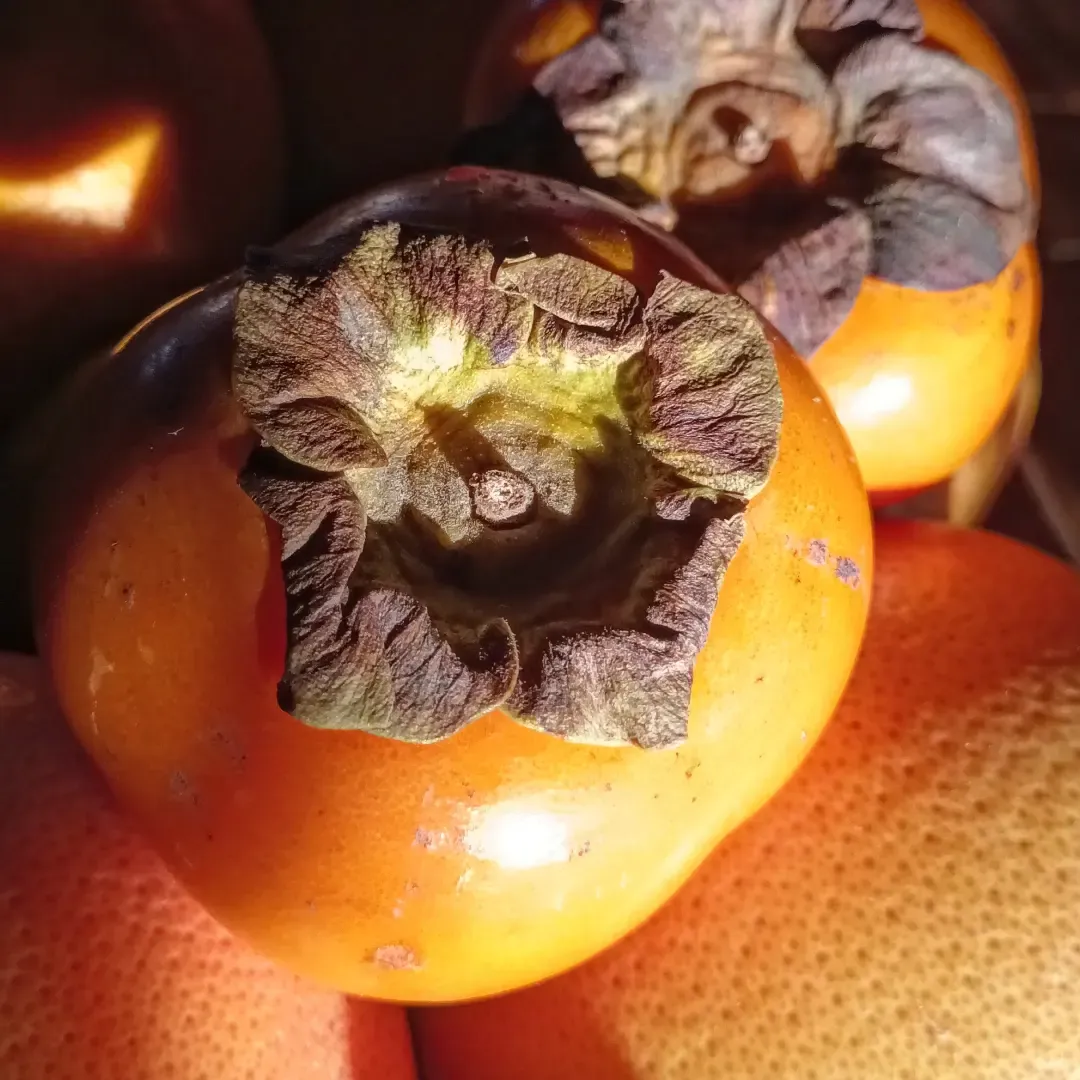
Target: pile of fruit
[{"x": 487, "y": 630}]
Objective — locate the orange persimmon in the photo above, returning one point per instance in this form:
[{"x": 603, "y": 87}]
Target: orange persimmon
[
  {"x": 140, "y": 152},
  {"x": 430, "y": 846},
  {"x": 807, "y": 169},
  {"x": 108, "y": 969},
  {"x": 905, "y": 907}
]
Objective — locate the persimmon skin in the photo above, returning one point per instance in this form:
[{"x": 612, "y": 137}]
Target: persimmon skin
[
  {"x": 416, "y": 873},
  {"x": 919, "y": 379}
]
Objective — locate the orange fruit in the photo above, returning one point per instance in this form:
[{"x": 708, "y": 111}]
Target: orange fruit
[
  {"x": 905, "y": 908},
  {"x": 467, "y": 865},
  {"x": 109, "y": 969}
]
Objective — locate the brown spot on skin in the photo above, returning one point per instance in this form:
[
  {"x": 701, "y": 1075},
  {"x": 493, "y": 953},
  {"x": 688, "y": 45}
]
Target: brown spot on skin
[
  {"x": 584, "y": 849},
  {"x": 412, "y": 888},
  {"x": 426, "y": 839},
  {"x": 181, "y": 789},
  {"x": 848, "y": 572},
  {"x": 1010, "y": 329},
  {"x": 1019, "y": 279},
  {"x": 127, "y": 594},
  {"x": 396, "y": 958},
  {"x": 817, "y": 553}
]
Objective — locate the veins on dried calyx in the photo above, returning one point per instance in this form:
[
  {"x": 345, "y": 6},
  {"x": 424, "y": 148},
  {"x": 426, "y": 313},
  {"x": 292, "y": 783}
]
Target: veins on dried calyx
[{"x": 501, "y": 482}]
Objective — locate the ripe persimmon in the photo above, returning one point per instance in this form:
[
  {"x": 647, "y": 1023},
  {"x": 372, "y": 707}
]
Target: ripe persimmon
[
  {"x": 864, "y": 173},
  {"x": 108, "y": 969},
  {"x": 504, "y": 497},
  {"x": 140, "y": 151},
  {"x": 906, "y": 906}
]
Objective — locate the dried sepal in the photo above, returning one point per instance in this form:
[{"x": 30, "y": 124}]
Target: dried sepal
[
  {"x": 933, "y": 116},
  {"x": 809, "y": 283},
  {"x": 845, "y": 14},
  {"x": 374, "y": 654},
  {"x": 930, "y": 235},
  {"x": 502, "y": 480}
]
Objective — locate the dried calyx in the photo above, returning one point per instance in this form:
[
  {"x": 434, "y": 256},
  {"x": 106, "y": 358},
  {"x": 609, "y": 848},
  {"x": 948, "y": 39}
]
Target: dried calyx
[
  {"x": 502, "y": 479},
  {"x": 798, "y": 145}
]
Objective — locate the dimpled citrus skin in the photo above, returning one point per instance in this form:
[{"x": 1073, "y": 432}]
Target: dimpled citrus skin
[
  {"x": 109, "y": 971},
  {"x": 906, "y": 909}
]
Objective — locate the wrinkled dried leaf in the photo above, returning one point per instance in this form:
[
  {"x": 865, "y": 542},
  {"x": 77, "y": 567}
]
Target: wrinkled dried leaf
[
  {"x": 624, "y": 685},
  {"x": 809, "y": 285},
  {"x": 844, "y": 14},
  {"x": 932, "y": 115},
  {"x": 929, "y": 235},
  {"x": 714, "y": 404}
]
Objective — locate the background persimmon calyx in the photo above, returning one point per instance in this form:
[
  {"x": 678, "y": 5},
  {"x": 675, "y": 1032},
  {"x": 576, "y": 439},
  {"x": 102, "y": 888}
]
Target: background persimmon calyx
[
  {"x": 800, "y": 146},
  {"x": 502, "y": 478}
]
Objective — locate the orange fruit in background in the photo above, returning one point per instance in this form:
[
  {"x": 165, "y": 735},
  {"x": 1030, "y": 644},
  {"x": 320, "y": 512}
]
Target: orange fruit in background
[
  {"x": 919, "y": 379},
  {"x": 905, "y": 907},
  {"x": 414, "y": 872},
  {"x": 108, "y": 969}
]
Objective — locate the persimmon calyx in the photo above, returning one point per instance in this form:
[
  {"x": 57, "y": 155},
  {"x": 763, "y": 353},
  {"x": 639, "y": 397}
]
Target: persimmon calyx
[
  {"x": 502, "y": 479},
  {"x": 822, "y": 126}
]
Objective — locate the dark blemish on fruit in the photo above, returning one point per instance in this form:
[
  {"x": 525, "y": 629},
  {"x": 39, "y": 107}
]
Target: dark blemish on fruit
[
  {"x": 181, "y": 789},
  {"x": 584, "y": 849},
  {"x": 848, "y": 572},
  {"x": 1010, "y": 328},
  {"x": 412, "y": 888},
  {"x": 396, "y": 958},
  {"x": 760, "y": 679},
  {"x": 1018, "y": 279},
  {"x": 817, "y": 553},
  {"x": 127, "y": 595},
  {"x": 425, "y": 838},
  {"x": 607, "y": 787}
]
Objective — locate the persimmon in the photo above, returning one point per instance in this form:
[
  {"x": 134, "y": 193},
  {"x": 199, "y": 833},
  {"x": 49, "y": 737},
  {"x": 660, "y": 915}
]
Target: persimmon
[
  {"x": 429, "y": 691},
  {"x": 140, "y": 152},
  {"x": 905, "y": 907},
  {"x": 864, "y": 173},
  {"x": 109, "y": 969}
]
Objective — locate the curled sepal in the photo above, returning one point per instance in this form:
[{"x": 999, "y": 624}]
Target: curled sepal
[
  {"x": 931, "y": 115},
  {"x": 376, "y": 654},
  {"x": 503, "y": 479},
  {"x": 929, "y": 235},
  {"x": 901, "y": 15},
  {"x": 707, "y": 362},
  {"x": 809, "y": 282}
]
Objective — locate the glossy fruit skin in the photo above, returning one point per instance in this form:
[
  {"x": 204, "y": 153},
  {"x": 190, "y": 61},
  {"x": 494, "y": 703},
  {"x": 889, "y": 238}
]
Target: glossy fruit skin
[
  {"x": 919, "y": 380},
  {"x": 190, "y": 82},
  {"x": 109, "y": 969},
  {"x": 419, "y": 873},
  {"x": 905, "y": 907}
]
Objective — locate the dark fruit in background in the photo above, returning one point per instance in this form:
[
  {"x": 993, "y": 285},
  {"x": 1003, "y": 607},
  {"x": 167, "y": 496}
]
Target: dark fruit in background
[{"x": 372, "y": 89}]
